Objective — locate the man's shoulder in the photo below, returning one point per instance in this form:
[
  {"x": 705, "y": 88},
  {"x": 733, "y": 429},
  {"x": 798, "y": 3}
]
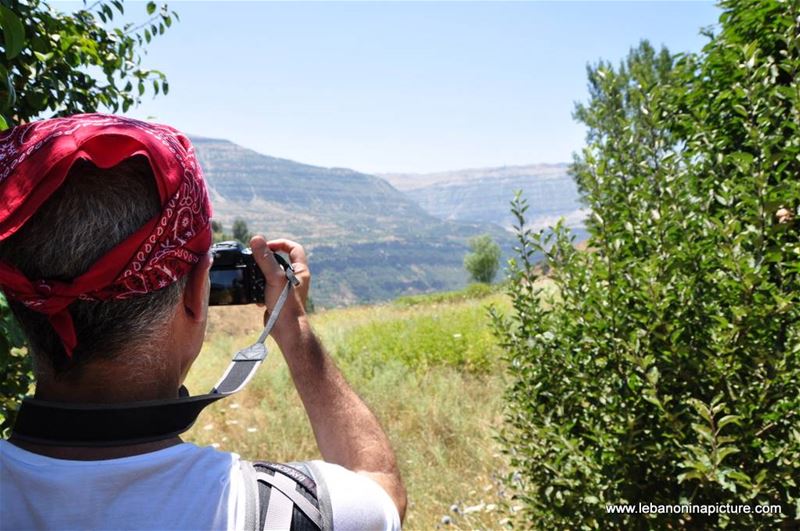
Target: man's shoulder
[
  {"x": 185, "y": 454},
  {"x": 344, "y": 498},
  {"x": 358, "y": 502}
]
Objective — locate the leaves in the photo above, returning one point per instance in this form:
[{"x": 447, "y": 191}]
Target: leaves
[
  {"x": 663, "y": 363},
  {"x": 8, "y": 95},
  {"x": 15, "y": 367},
  {"x": 13, "y": 32},
  {"x": 63, "y": 63}
]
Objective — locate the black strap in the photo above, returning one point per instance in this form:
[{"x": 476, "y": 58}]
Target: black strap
[
  {"x": 55, "y": 423},
  {"x": 69, "y": 424}
]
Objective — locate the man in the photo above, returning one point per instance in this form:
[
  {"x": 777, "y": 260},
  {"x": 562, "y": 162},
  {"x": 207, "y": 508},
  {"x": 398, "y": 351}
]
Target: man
[{"x": 104, "y": 240}]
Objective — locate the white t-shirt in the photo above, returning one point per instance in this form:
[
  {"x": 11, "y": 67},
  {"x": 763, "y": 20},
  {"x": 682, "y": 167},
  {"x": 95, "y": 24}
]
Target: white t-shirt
[{"x": 180, "y": 487}]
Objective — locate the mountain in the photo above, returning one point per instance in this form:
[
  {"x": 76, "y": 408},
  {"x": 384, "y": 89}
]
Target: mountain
[
  {"x": 367, "y": 241},
  {"x": 483, "y": 195}
]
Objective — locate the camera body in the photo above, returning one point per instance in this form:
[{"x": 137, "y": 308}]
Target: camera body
[{"x": 235, "y": 276}]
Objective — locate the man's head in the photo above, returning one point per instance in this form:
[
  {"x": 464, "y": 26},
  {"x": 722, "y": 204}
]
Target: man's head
[
  {"x": 91, "y": 213},
  {"x": 115, "y": 232}
]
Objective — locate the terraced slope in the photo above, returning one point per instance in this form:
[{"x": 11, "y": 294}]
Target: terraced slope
[
  {"x": 482, "y": 195},
  {"x": 368, "y": 241}
]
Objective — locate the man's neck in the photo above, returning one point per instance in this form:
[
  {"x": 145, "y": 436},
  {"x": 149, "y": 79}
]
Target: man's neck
[{"x": 106, "y": 383}]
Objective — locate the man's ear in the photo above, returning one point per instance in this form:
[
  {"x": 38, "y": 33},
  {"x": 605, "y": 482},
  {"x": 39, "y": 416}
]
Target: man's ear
[{"x": 195, "y": 295}]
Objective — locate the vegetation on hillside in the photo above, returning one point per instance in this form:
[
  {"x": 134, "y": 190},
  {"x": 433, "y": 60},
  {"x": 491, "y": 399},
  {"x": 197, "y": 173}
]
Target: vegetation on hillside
[
  {"x": 472, "y": 291},
  {"x": 240, "y": 233},
  {"x": 667, "y": 369},
  {"x": 367, "y": 241}
]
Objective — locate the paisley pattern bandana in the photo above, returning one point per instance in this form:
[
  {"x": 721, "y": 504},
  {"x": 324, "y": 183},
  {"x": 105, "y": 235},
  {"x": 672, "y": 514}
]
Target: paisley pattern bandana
[{"x": 35, "y": 159}]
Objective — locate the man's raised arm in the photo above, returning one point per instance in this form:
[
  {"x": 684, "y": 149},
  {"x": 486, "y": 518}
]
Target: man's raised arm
[{"x": 347, "y": 432}]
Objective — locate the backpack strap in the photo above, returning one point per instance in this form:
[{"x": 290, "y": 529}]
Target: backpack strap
[
  {"x": 323, "y": 494},
  {"x": 251, "y": 498},
  {"x": 283, "y": 497}
]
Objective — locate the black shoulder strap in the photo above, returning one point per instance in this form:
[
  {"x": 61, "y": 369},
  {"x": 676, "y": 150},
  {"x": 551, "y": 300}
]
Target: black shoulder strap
[{"x": 287, "y": 498}]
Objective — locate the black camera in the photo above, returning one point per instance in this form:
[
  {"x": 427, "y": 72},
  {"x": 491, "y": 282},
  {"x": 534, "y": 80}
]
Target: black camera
[{"x": 235, "y": 276}]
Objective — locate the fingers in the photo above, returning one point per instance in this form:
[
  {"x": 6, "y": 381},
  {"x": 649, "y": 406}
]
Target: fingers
[
  {"x": 299, "y": 261},
  {"x": 273, "y": 273},
  {"x": 295, "y": 251}
]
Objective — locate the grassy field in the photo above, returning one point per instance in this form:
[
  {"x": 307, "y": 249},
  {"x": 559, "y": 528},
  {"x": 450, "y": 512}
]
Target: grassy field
[{"x": 427, "y": 366}]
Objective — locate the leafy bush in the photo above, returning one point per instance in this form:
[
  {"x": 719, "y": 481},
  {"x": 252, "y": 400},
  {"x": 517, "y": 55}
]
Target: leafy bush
[
  {"x": 16, "y": 375},
  {"x": 68, "y": 63},
  {"x": 666, "y": 369},
  {"x": 483, "y": 260}
]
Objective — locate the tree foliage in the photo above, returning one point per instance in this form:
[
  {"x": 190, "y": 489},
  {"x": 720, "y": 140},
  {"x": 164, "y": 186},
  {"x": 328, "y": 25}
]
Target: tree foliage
[
  {"x": 67, "y": 63},
  {"x": 665, "y": 369},
  {"x": 218, "y": 233},
  {"x": 54, "y": 63},
  {"x": 483, "y": 261},
  {"x": 241, "y": 232},
  {"x": 15, "y": 375}
]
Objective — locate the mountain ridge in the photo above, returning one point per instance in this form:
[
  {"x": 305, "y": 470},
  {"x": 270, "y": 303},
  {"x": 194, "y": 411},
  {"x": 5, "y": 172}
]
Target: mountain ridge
[
  {"x": 483, "y": 194},
  {"x": 405, "y": 181},
  {"x": 367, "y": 241}
]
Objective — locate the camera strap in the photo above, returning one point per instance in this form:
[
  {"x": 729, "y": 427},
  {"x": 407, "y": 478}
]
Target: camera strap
[{"x": 68, "y": 424}]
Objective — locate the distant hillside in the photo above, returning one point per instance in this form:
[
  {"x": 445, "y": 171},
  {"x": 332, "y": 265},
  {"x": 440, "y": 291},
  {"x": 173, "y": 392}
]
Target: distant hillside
[
  {"x": 367, "y": 241},
  {"x": 483, "y": 195}
]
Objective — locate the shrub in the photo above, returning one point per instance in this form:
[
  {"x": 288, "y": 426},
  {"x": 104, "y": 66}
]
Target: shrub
[
  {"x": 483, "y": 261},
  {"x": 16, "y": 376},
  {"x": 666, "y": 369},
  {"x": 241, "y": 232}
]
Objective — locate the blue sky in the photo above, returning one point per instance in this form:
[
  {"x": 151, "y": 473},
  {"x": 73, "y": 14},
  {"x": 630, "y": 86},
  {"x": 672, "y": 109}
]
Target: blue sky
[{"x": 400, "y": 87}]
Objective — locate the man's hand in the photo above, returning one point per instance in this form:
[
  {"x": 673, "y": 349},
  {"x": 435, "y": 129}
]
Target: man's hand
[{"x": 276, "y": 280}]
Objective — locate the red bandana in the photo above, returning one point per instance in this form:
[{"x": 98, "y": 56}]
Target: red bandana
[{"x": 34, "y": 161}]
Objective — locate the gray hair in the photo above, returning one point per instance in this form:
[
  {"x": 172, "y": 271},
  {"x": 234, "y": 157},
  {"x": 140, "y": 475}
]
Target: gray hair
[{"x": 93, "y": 211}]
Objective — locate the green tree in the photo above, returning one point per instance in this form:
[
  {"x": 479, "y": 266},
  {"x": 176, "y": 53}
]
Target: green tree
[
  {"x": 240, "y": 231},
  {"x": 663, "y": 366},
  {"x": 483, "y": 261},
  {"x": 67, "y": 63},
  {"x": 55, "y": 63},
  {"x": 218, "y": 233}
]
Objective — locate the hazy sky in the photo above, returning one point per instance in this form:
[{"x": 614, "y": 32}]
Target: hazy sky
[{"x": 413, "y": 87}]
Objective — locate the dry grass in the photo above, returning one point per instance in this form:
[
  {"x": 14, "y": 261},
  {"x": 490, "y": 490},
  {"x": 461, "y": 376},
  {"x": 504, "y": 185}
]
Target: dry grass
[{"x": 441, "y": 419}]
